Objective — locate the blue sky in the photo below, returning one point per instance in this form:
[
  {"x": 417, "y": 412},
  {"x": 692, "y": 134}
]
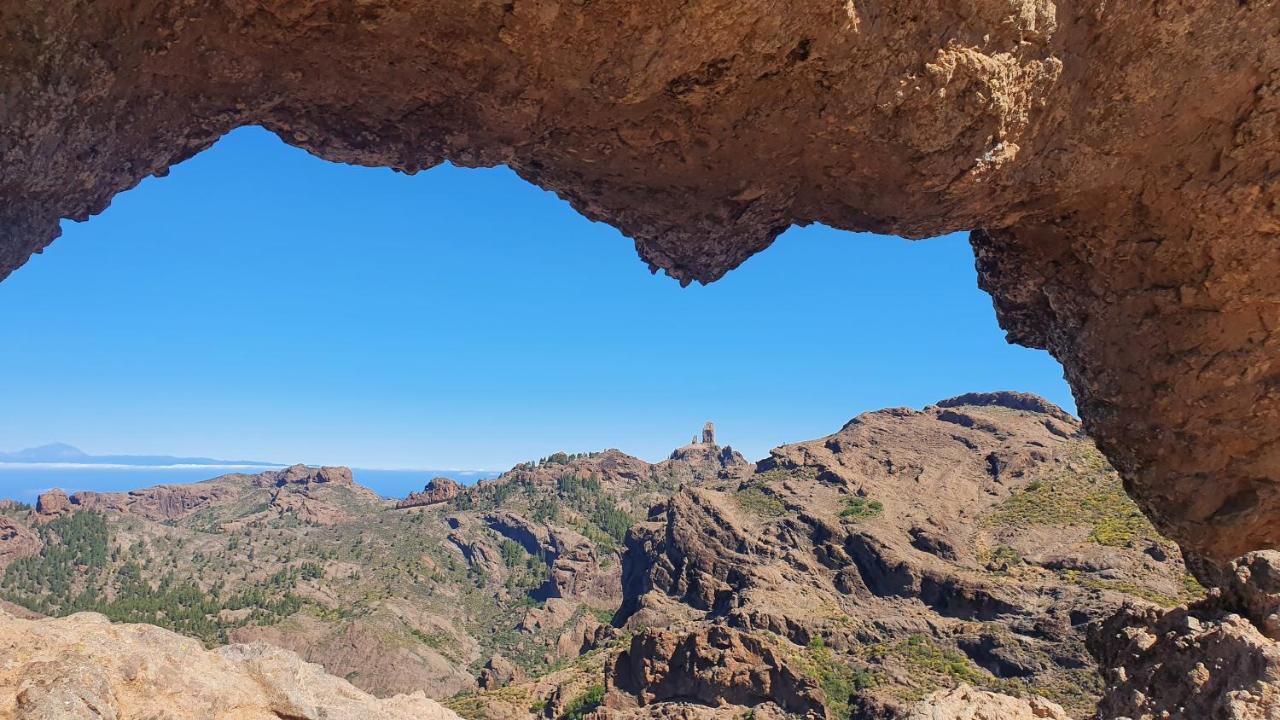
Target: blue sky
[{"x": 261, "y": 303}]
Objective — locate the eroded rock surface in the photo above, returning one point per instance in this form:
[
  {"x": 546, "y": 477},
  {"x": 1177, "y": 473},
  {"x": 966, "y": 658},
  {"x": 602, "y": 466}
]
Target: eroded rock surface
[
  {"x": 971, "y": 542},
  {"x": 438, "y": 490},
  {"x": 84, "y": 668},
  {"x": 714, "y": 666},
  {"x": 1116, "y": 159},
  {"x": 1217, "y": 658},
  {"x": 304, "y": 475},
  {"x": 51, "y": 503}
]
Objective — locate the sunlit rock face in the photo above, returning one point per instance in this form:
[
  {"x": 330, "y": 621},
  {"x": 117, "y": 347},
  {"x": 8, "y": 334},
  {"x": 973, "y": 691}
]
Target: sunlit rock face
[{"x": 1117, "y": 160}]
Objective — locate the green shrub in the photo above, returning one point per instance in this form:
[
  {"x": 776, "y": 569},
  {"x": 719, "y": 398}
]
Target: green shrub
[
  {"x": 839, "y": 680},
  {"x": 859, "y": 508},
  {"x": 755, "y": 499},
  {"x": 1087, "y": 493},
  {"x": 589, "y": 700},
  {"x": 1003, "y": 559}
]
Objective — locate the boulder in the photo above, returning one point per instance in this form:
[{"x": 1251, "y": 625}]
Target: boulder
[
  {"x": 440, "y": 489},
  {"x": 52, "y": 503},
  {"x": 499, "y": 672}
]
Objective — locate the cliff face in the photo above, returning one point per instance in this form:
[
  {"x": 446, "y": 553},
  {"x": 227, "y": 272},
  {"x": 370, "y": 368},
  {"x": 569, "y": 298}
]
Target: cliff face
[
  {"x": 972, "y": 542},
  {"x": 1115, "y": 162}
]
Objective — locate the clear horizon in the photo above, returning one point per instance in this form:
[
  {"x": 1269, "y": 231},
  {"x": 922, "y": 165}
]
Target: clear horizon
[{"x": 260, "y": 303}]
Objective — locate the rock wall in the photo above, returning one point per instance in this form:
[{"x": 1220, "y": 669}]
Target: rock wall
[
  {"x": 713, "y": 666},
  {"x": 1115, "y": 161}
]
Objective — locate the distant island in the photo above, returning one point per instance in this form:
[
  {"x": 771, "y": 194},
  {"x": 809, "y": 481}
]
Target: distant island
[{"x": 64, "y": 453}]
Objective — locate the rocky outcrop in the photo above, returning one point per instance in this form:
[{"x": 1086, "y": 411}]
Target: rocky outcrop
[
  {"x": 714, "y": 666},
  {"x": 440, "y": 489},
  {"x": 52, "y": 503},
  {"x": 1217, "y": 658},
  {"x": 1252, "y": 588},
  {"x": 499, "y": 672},
  {"x": 83, "y": 667},
  {"x": 1012, "y": 401},
  {"x": 985, "y": 529},
  {"x": 164, "y": 503},
  {"x": 17, "y": 541},
  {"x": 708, "y": 460},
  {"x": 575, "y": 568},
  {"x": 584, "y": 635},
  {"x": 304, "y": 475},
  {"x": 297, "y": 502},
  {"x": 967, "y": 703},
  {"x": 291, "y": 489}
]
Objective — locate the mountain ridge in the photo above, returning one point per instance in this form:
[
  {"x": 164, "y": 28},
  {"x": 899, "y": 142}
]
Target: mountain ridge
[
  {"x": 952, "y": 554},
  {"x": 59, "y": 452}
]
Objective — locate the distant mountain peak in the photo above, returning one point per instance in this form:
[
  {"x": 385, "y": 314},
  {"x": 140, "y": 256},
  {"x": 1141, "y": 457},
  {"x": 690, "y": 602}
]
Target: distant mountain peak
[
  {"x": 59, "y": 452},
  {"x": 55, "y": 451}
]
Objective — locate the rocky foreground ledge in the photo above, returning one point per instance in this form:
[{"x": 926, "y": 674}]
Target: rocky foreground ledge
[{"x": 83, "y": 667}]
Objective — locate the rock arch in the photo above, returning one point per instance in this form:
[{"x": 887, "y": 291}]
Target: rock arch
[{"x": 1118, "y": 162}]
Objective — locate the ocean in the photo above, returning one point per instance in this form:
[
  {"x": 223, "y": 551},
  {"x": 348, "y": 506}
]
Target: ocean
[{"x": 24, "y": 481}]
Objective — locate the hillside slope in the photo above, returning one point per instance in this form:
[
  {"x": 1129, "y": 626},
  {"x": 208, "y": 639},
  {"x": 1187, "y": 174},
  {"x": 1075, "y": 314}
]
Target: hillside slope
[
  {"x": 524, "y": 568},
  {"x": 911, "y": 560}
]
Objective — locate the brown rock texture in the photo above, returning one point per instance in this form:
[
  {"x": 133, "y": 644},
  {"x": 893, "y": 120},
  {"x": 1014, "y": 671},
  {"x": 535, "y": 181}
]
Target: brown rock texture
[
  {"x": 51, "y": 503},
  {"x": 713, "y": 666},
  {"x": 441, "y": 489},
  {"x": 499, "y": 672},
  {"x": 982, "y": 536},
  {"x": 17, "y": 541},
  {"x": 1115, "y": 161},
  {"x": 82, "y": 667},
  {"x": 298, "y": 490},
  {"x": 1217, "y": 658},
  {"x": 304, "y": 475},
  {"x": 161, "y": 503},
  {"x": 575, "y": 562}
]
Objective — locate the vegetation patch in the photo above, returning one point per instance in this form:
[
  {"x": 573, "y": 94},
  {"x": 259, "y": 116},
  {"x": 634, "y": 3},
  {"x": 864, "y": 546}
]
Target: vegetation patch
[
  {"x": 78, "y": 570},
  {"x": 1002, "y": 560},
  {"x": 1191, "y": 590},
  {"x": 860, "y": 508},
  {"x": 1088, "y": 494},
  {"x": 838, "y": 678},
  {"x": 582, "y": 704},
  {"x": 756, "y": 499}
]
